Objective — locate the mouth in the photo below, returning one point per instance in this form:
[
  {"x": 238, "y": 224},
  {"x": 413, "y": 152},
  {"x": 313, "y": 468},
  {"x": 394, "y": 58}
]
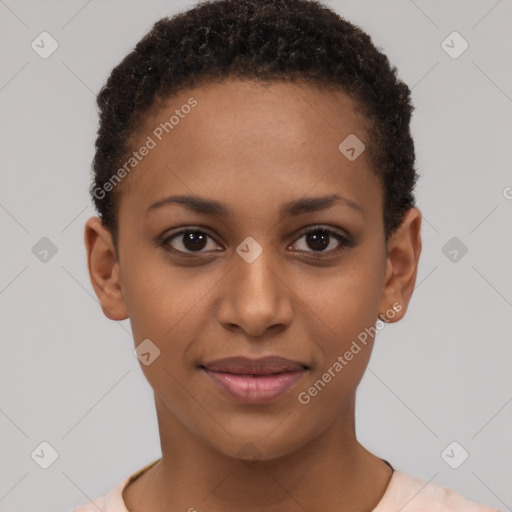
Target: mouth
[{"x": 254, "y": 381}]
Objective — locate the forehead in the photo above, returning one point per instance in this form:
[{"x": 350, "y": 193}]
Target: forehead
[
  {"x": 245, "y": 143},
  {"x": 274, "y": 113}
]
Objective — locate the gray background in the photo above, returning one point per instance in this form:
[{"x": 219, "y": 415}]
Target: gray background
[{"x": 68, "y": 375}]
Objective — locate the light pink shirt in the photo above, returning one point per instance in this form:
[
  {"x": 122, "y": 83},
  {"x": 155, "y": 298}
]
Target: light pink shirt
[{"x": 403, "y": 494}]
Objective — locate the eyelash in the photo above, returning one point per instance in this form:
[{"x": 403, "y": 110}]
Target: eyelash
[{"x": 345, "y": 242}]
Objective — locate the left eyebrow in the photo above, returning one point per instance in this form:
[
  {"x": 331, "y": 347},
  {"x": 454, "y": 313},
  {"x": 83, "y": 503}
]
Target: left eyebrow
[
  {"x": 315, "y": 204},
  {"x": 290, "y": 209}
]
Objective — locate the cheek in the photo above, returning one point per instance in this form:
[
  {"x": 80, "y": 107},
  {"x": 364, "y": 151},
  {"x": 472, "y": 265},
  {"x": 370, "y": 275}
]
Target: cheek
[
  {"x": 156, "y": 296},
  {"x": 162, "y": 308},
  {"x": 348, "y": 313},
  {"x": 167, "y": 306},
  {"x": 346, "y": 301}
]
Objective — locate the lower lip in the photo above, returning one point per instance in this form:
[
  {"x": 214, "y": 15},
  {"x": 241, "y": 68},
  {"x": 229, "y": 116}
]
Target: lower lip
[{"x": 255, "y": 389}]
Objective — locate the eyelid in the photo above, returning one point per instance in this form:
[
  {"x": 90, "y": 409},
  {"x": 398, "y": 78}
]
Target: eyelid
[{"x": 322, "y": 227}]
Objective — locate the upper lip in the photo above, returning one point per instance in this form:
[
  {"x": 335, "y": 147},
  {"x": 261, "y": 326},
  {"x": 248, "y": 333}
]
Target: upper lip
[{"x": 263, "y": 366}]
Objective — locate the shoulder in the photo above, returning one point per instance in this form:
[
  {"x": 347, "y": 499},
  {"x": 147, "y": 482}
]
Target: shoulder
[
  {"x": 110, "y": 502},
  {"x": 113, "y": 500},
  {"x": 410, "y": 494}
]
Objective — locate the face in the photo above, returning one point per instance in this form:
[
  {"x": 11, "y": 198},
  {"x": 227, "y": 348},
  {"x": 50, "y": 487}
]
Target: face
[{"x": 289, "y": 261}]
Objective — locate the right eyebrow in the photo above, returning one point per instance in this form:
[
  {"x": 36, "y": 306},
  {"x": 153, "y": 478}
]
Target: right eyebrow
[{"x": 194, "y": 204}]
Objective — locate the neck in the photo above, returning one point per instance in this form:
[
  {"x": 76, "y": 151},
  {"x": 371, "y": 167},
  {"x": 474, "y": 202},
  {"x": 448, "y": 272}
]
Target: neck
[{"x": 330, "y": 472}]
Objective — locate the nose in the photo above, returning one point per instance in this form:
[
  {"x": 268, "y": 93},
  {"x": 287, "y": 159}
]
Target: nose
[{"x": 255, "y": 297}]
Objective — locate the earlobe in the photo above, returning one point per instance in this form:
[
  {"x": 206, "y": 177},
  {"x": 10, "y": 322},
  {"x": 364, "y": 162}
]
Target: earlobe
[
  {"x": 104, "y": 269},
  {"x": 404, "y": 249}
]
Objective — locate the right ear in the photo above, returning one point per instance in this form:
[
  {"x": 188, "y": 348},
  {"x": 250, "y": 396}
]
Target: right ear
[{"x": 104, "y": 269}]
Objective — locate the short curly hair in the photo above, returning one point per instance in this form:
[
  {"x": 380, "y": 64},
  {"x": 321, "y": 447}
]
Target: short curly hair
[{"x": 266, "y": 40}]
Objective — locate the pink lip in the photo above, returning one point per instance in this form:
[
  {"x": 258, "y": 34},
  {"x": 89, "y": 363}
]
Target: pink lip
[
  {"x": 254, "y": 389},
  {"x": 261, "y": 366}
]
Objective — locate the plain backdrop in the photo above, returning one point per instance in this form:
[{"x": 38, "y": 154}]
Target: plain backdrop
[{"x": 68, "y": 376}]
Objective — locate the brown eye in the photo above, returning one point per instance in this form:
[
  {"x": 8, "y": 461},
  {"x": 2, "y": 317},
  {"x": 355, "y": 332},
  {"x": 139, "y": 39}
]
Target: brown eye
[
  {"x": 319, "y": 239},
  {"x": 189, "y": 241}
]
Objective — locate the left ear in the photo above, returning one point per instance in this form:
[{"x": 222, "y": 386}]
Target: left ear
[{"x": 404, "y": 248}]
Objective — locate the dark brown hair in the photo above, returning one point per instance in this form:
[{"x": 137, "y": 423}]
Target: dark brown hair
[{"x": 287, "y": 40}]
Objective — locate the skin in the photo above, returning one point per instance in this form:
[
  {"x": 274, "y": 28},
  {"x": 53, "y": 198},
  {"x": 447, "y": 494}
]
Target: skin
[{"x": 254, "y": 147}]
